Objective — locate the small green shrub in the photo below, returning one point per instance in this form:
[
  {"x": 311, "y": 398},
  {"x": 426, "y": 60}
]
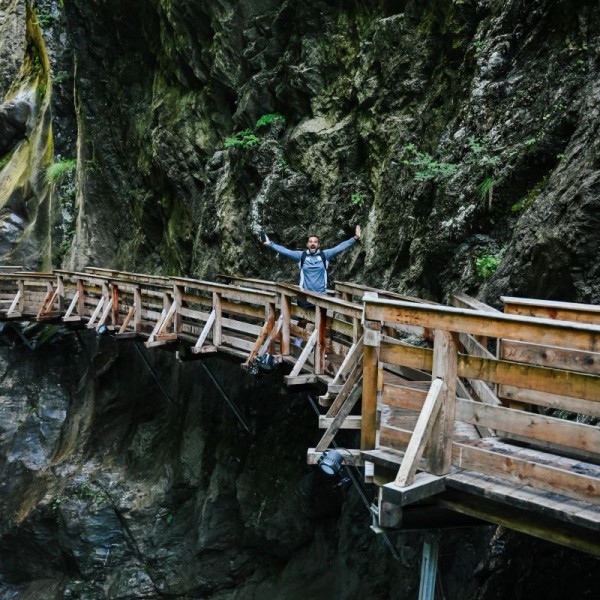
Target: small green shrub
[
  {"x": 242, "y": 139},
  {"x": 56, "y": 170},
  {"x": 357, "y": 199},
  {"x": 486, "y": 265},
  {"x": 424, "y": 167},
  {"x": 269, "y": 118}
]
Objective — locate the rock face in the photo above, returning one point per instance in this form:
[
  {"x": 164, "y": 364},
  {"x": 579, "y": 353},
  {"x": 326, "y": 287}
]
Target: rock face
[
  {"x": 461, "y": 134},
  {"x": 149, "y": 487},
  {"x": 456, "y": 132}
]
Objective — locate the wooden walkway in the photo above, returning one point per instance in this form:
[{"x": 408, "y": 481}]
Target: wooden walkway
[{"x": 462, "y": 408}]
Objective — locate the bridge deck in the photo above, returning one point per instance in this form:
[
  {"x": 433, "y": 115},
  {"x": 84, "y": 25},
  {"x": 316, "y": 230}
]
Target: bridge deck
[{"x": 487, "y": 413}]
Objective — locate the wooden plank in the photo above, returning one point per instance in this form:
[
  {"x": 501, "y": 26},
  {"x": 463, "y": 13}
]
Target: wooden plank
[
  {"x": 237, "y": 342},
  {"x": 241, "y": 326},
  {"x": 527, "y": 522},
  {"x": 348, "y": 388},
  {"x": 306, "y": 351},
  {"x": 12, "y": 309},
  {"x": 243, "y": 309},
  {"x": 421, "y": 433},
  {"x": 96, "y": 312},
  {"x": 461, "y": 300},
  {"x": 321, "y": 343},
  {"x": 445, "y": 353},
  {"x": 527, "y": 329},
  {"x": 574, "y": 405},
  {"x": 301, "y": 379},
  {"x": 286, "y": 314},
  {"x": 514, "y": 464},
  {"x": 127, "y": 320},
  {"x": 217, "y": 332},
  {"x": 529, "y": 425},
  {"x": 352, "y": 357},
  {"x": 351, "y": 422},
  {"x": 526, "y": 498},
  {"x": 368, "y": 432},
  {"x": 566, "y": 383},
  {"x": 552, "y": 309},
  {"x": 351, "y": 457},
  {"x": 339, "y": 306},
  {"x": 205, "y": 331},
  {"x": 423, "y": 486},
  {"x": 551, "y": 356},
  {"x": 397, "y": 353},
  {"x": 544, "y": 379}
]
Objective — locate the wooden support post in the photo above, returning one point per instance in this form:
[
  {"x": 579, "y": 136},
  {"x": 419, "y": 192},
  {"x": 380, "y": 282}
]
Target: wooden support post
[
  {"x": 21, "y": 302},
  {"x": 217, "y": 336},
  {"x": 60, "y": 289},
  {"x": 270, "y": 312},
  {"x": 356, "y": 330},
  {"x": 286, "y": 313},
  {"x": 115, "y": 304},
  {"x": 178, "y": 300},
  {"x": 80, "y": 299},
  {"x": 445, "y": 361},
  {"x": 137, "y": 312},
  {"x": 96, "y": 312},
  {"x": 310, "y": 344},
  {"x": 125, "y": 324},
  {"x": 321, "y": 329},
  {"x": 420, "y": 435},
  {"x": 204, "y": 334},
  {"x": 431, "y": 546},
  {"x": 372, "y": 339},
  {"x": 13, "y": 306}
]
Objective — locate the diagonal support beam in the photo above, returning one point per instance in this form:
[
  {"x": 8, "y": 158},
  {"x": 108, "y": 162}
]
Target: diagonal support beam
[
  {"x": 310, "y": 344},
  {"x": 421, "y": 434},
  {"x": 339, "y": 419},
  {"x": 197, "y": 349}
]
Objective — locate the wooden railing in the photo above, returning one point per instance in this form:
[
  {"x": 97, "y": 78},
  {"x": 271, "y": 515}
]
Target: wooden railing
[
  {"x": 479, "y": 385},
  {"x": 545, "y": 368}
]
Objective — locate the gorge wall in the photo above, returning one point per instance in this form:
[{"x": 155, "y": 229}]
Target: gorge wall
[{"x": 159, "y": 136}]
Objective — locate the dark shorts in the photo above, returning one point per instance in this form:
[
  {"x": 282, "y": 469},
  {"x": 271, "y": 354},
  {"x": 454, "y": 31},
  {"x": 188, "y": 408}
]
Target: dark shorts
[{"x": 305, "y": 304}]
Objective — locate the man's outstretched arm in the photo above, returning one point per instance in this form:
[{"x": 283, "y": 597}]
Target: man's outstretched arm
[
  {"x": 293, "y": 254},
  {"x": 329, "y": 254}
]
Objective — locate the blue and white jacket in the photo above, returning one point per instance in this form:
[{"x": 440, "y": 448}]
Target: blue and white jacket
[{"x": 313, "y": 275}]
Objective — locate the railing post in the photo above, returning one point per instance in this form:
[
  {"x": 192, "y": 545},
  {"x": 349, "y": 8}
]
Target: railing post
[
  {"x": 445, "y": 365},
  {"x": 115, "y": 304},
  {"x": 286, "y": 313},
  {"x": 137, "y": 303},
  {"x": 217, "y": 336},
  {"x": 80, "y": 298},
  {"x": 60, "y": 289},
  {"x": 372, "y": 341},
  {"x": 270, "y": 312},
  {"x": 21, "y": 284},
  {"x": 178, "y": 299},
  {"x": 321, "y": 327}
]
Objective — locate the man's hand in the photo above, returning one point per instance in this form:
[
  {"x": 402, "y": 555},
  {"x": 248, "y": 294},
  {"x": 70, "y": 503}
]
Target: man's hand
[
  {"x": 357, "y": 233},
  {"x": 264, "y": 238}
]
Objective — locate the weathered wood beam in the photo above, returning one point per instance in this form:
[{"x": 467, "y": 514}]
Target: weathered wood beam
[
  {"x": 420, "y": 436},
  {"x": 527, "y": 329}
]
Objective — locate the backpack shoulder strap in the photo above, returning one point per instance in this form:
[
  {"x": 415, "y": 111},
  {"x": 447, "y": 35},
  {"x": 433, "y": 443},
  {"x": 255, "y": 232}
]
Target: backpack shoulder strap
[
  {"x": 303, "y": 258},
  {"x": 320, "y": 253}
]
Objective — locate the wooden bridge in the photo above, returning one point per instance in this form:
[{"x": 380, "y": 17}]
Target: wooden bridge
[{"x": 460, "y": 409}]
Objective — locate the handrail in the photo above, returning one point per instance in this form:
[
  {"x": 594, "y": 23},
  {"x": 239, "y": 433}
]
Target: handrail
[
  {"x": 574, "y": 390},
  {"x": 552, "y": 309}
]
